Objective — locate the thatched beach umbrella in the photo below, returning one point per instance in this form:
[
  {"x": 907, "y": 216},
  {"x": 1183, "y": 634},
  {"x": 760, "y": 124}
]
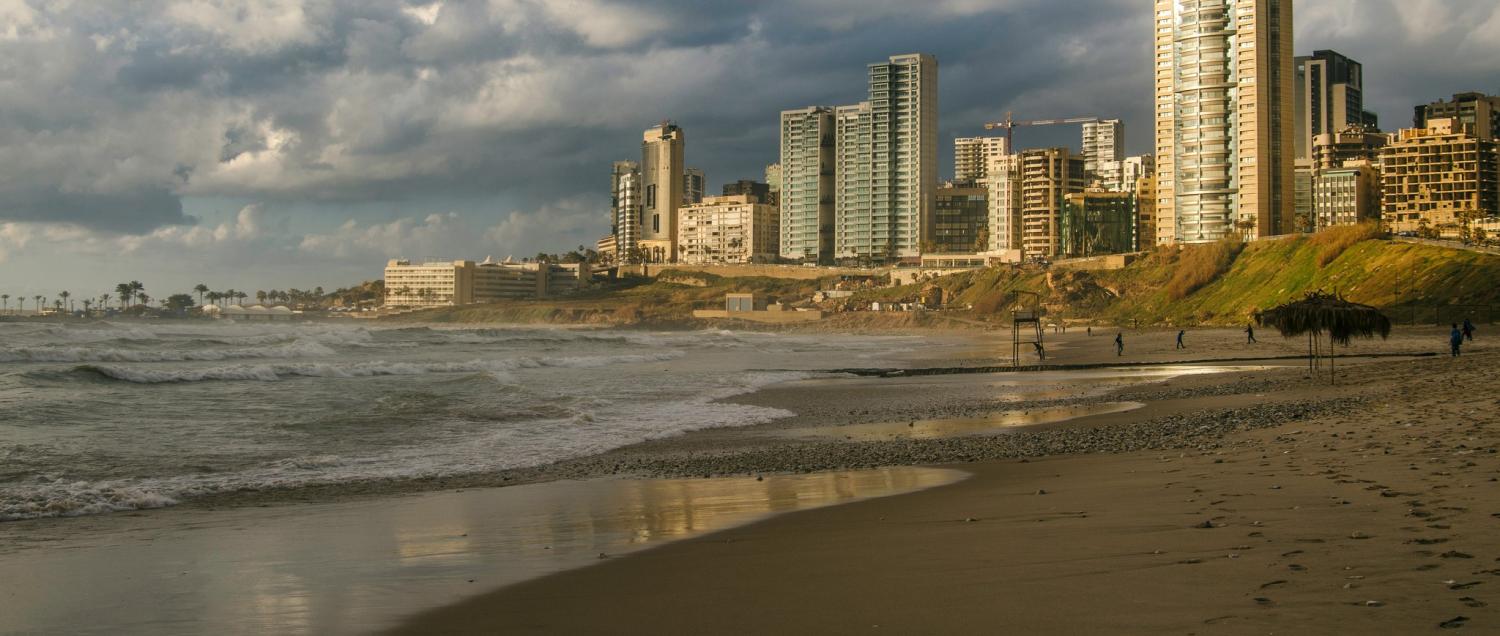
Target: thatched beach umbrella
[{"x": 1321, "y": 313}]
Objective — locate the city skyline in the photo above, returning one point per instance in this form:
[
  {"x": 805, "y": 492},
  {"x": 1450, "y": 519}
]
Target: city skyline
[{"x": 411, "y": 138}]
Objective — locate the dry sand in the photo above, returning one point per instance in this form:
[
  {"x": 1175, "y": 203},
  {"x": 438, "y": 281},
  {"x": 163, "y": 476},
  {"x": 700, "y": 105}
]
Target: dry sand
[{"x": 1272, "y": 504}]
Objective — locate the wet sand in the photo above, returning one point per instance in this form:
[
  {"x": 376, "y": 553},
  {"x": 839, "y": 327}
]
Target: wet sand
[
  {"x": 359, "y": 567},
  {"x": 1273, "y": 503}
]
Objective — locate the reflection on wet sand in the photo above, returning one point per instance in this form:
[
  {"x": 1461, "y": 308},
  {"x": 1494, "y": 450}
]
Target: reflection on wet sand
[
  {"x": 962, "y": 427},
  {"x": 359, "y": 566}
]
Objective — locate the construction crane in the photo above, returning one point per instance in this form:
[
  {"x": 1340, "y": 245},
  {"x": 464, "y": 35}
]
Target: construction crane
[{"x": 1010, "y": 125}]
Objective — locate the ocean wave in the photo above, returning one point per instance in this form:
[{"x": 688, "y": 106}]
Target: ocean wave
[
  {"x": 275, "y": 372},
  {"x": 561, "y": 436},
  {"x": 77, "y": 499},
  {"x": 298, "y": 349}
]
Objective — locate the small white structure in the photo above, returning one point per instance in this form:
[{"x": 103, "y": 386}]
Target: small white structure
[{"x": 258, "y": 313}]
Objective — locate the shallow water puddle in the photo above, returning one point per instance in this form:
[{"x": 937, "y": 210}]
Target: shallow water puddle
[{"x": 360, "y": 566}]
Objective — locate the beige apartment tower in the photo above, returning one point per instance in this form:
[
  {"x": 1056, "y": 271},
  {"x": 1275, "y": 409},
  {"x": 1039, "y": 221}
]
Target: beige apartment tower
[
  {"x": 972, "y": 157},
  {"x": 805, "y": 181},
  {"x": 728, "y": 229},
  {"x": 1225, "y": 133},
  {"x": 1048, "y": 176},
  {"x": 663, "y": 176},
  {"x": 1439, "y": 175}
]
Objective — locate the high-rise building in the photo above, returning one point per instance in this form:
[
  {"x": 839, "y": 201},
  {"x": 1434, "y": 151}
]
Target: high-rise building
[
  {"x": 1436, "y": 176},
  {"x": 744, "y": 187},
  {"x": 1003, "y": 186},
  {"x": 694, "y": 184},
  {"x": 960, "y": 222},
  {"x": 1347, "y": 195},
  {"x": 1330, "y": 98},
  {"x": 1225, "y": 135},
  {"x": 1097, "y": 223},
  {"x": 1103, "y": 141},
  {"x": 625, "y": 206},
  {"x": 1123, "y": 175},
  {"x": 887, "y": 168},
  {"x": 662, "y": 178},
  {"x": 972, "y": 156},
  {"x": 1048, "y": 176},
  {"x": 1477, "y": 110},
  {"x": 806, "y": 184},
  {"x": 1333, "y": 150},
  {"x": 728, "y": 229},
  {"x": 773, "y": 177}
]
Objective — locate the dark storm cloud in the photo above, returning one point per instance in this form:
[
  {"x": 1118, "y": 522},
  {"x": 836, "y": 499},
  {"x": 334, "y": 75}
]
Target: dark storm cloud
[{"x": 137, "y": 106}]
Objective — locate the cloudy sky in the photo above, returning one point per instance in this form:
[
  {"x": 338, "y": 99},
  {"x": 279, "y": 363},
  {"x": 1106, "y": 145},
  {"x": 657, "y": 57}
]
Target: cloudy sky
[{"x": 260, "y": 144}]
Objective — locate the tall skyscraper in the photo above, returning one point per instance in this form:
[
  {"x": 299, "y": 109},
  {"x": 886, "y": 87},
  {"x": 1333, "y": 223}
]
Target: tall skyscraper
[
  {"x": 887, "y": 169},
  {"x": 1103, "y": 141},
  {"x": 693, "y": 184},
  {"x": 1225, "y": 135},
  {"x": 972, "y": 156},
  {"x": 808, "y": 159},
  {"x": 625, "y": 206},
  {"x": 1477, "y": 110},
  {"x": 662, "y": 177},
  {"x": 1330, "y": 98}
]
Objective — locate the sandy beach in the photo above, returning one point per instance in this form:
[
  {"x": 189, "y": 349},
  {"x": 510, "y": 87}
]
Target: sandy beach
[
  {"x": 1255, "y": 502},
  {"x": 1221, "y": 488}
]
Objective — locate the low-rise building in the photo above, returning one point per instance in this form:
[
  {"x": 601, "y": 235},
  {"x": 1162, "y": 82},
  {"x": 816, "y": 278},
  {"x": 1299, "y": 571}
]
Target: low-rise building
[
  {"x": 1097, "y": 223},
  {"x": 1355, "y": 143},
  {"x": 454, "y": 283},
  {"x": 731, "y": 229},
  {"x": 1439, "y": 175},
  {"x": 960, "y": 222},
  {"x": 1347, "y": 195}
]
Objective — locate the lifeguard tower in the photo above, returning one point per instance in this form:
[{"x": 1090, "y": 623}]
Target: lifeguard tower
[{"x": 1026, "y": 326}]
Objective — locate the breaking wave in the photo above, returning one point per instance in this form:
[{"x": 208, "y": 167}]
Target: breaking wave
[{"x": 281, "y": 371}]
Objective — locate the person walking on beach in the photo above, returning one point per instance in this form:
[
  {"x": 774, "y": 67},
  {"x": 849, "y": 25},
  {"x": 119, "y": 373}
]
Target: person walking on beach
[
  {"x": 1180, "y": 335},
  {"x": 1249, "y": 334},
  {"x": 1456, "y": 339},
  {"x": 1120, "y": 344},
  {"x": 1468, "y": 330}
]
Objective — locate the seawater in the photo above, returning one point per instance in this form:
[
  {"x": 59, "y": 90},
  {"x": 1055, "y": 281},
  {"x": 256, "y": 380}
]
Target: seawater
[{"x": 108, "y": 417}]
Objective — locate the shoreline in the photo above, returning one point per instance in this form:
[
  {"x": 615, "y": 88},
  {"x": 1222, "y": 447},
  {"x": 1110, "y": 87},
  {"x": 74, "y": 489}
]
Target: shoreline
[
  {"x": 1344, "y": 518},
  {"x": 656, "y": 458}
]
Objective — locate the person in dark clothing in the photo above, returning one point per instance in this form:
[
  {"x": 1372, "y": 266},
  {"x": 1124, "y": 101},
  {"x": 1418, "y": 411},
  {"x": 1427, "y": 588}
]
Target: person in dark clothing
[
  {"x": 1456, "y": 339},
  {"x": 1180, "y": 335},
  {"x": 1120, "y": 344},
  {"x": 1468, "y": 330},
  {"x": 1249, "y": 334}
]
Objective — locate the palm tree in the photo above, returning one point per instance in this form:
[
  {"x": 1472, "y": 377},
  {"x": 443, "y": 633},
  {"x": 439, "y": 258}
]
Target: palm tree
[
  {"x": 136, "y": 288},
  {"x": 241, "y": 296},
  {"x": 260, "y": 297},
  {"x": 87, "y": 302},
  {"x": 124, "y": 291},
  {"x": 145, "y": 300},
  {"x": 201, "y": 289},
  {"x": 103, "y": 300},
  {"x": 21, "y": 305},
  {"x": 41, "y": 301},
  {"x": 213, "y": 297},
  {"x": 64, "y": 295},
  {"x": 4, "y": 303}
]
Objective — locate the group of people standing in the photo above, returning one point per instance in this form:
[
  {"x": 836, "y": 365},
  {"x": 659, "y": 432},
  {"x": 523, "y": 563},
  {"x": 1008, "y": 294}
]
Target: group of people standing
[{"x": 1459, "y": 335}]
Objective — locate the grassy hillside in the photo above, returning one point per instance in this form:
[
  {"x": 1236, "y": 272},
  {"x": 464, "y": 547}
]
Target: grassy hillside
[{"x": 1226, "y": 283}]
